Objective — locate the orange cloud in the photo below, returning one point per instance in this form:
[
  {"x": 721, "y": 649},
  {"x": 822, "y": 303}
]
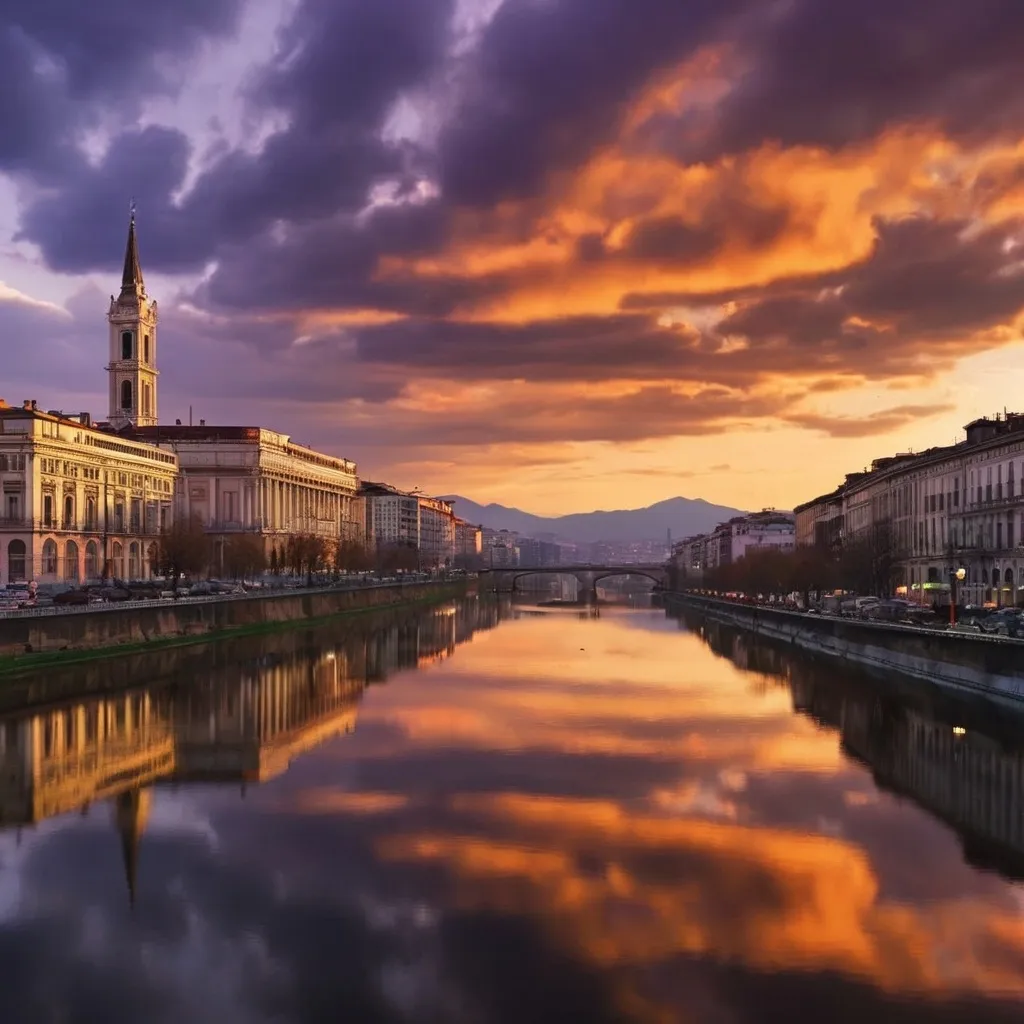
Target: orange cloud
[{"x": 778, "y": 901}]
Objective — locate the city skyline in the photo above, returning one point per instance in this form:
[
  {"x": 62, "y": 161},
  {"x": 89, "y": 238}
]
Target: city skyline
[{"x": 547, "y": 255}]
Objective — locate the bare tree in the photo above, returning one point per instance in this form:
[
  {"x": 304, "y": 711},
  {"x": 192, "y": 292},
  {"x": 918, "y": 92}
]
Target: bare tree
[
  {"x": 352, "y": 556},
  {"x": 244, "y": 556},
  {"x": 184, "y": 549}
]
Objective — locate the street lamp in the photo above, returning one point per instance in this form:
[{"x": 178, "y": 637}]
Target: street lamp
[{"x": 956, "y": 578}]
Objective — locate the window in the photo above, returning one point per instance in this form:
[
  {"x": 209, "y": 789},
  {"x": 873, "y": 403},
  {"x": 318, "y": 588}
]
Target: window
[
  {"x": 145, "y": 347},
  {"x": 69, "y": 512},
  {"x": 50, "y": 558},
  {"x": 117, "y": 551},
  {"x": 146, "y": 400},
  {"x": 71, "y": 561},
  {"x": 126, "y": 344},
  {"x": 16, "y": 561},
  {"x": 47, "y": 510},
  {"x": 134, "y": 562},
  {"x": 90, "y": 513},
  {"x": 126, "y": 394},
  {"x": 12, "y": 507},
  {"x": 91, "y": 560}
]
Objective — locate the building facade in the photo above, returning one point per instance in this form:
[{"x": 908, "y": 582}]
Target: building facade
[
  {"x": 256, "y": 481},
  {"x": 468, "y": 543},
  {"x": 959, "y": 506},
  {"x": 395, "y": 517},
  {"x": 78, "y": 501},
  {"x": 695, "y": 557},
  {"x": 500, "y": 548}
]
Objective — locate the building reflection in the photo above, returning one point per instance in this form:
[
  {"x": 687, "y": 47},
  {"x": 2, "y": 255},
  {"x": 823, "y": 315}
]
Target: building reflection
[
  {"x": 960, "y": 760},
  {"x": 243, "y": 722}
]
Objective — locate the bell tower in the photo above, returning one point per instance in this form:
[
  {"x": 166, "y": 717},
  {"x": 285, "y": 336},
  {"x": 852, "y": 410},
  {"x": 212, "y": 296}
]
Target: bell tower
[{"x": 132, "y": 371}]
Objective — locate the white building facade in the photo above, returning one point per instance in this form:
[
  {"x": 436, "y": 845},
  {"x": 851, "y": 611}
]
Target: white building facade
[
  {"x": 395, "y": 517},
  {"x": 78, "y": 500},
  {"x": 252, "y": 480},
  {"x": 960, "y": 506}
]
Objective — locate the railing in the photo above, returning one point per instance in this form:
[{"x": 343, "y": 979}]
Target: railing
[
  {"x": 131, "y": 529},
  {"x": 170, "y": 602}
]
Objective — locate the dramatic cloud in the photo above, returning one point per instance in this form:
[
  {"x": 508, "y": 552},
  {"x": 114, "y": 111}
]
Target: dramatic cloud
[{"x": 650, "y": 218}]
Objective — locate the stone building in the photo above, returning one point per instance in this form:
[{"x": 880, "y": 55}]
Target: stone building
[
  {"x": 83, "y": 498},
  {"x": 78, "y": 500},
  {"x": 256, "y": 481},
  {"x": 395, "y": 517},
  {"x": 958, "y": 506}
]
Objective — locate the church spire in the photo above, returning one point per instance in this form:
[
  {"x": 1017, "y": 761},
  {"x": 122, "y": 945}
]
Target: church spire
[
  {"x": 131, "y": 812},
  {"x": 131, "y": 278}
]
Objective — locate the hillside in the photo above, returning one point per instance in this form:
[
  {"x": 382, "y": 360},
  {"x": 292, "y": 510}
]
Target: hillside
[{"x": 683, "y": 516}]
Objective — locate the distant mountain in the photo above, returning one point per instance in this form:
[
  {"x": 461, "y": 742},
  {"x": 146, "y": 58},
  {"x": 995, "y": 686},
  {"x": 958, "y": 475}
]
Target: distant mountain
[{"x": 683, "y": 516}]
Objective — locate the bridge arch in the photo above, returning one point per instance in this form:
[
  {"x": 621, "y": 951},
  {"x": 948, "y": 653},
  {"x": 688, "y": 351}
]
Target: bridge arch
[{"x": 588, "y": 576}]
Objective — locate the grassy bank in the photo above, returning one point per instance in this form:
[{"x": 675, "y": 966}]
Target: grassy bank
[{"x": 24, "y": 664}]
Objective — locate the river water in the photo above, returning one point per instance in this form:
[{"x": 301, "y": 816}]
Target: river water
[{"x": 496, "y": 813}]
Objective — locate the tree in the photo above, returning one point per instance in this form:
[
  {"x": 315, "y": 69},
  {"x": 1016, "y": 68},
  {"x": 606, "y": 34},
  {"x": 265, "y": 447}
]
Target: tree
[
  {"x": 244, "y": 556},
  {"x": 275, "y": 565},
  {"x": 869, "y": 561},
  {"x": 394, "y": 557},
  {"x": 306, "y": 553},
  {"x": 352, "y": 556},
  {"x": 184, "y": 550}
]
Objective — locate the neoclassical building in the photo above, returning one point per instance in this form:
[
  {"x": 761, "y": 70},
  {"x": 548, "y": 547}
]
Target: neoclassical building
[
  {"x": 958, "y": 506},
  {"x": 77, "y": 499},
  {"x": 84, "y": 499}
]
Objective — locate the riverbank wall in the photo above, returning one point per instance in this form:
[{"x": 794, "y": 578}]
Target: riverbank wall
[
  {"x": 969, "y": 663},
  {"x": 27, "y": 641}
]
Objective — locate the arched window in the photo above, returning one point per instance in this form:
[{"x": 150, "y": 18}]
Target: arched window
[
  {"x": 1008, "y": 577},
  {"x": 126, "y": 344},
  {"x": 153, "y": 560},
  {"x": 71, "y": 561},
  {"x": 50, "y": 558},
  {"x": 995, "y": 577},
  {"x": 145, "y": 347},
  {"x": 69, "y": 511},
  {"x": 16, "y": 561},
  {"x": 117, "y": 557},
  {"x": 90, "y": 513},
  {"x": 47, "y": 510},
  {"x": 91, "y": 560},
  {"x": 126, "y": 394},
  {"x": 134, "y": 566}
]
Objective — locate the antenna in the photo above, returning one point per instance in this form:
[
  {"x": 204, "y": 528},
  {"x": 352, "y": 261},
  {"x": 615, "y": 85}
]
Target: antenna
[{"x": 131, "y": 207}]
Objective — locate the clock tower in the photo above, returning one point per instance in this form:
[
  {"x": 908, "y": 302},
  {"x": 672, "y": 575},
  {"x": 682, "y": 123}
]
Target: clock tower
[{"x": 132, "y": 371}]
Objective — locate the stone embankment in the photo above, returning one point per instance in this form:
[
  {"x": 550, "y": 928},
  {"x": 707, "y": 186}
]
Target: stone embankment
[
  {"x": 967, "y": 662},
  {"x": 28, "y": 640}
]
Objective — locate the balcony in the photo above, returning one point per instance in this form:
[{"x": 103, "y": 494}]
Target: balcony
[
  {"x": 996, "y": 503},
  {"x": 234, "y": 526},
  {"x": 16, "y": 523}
]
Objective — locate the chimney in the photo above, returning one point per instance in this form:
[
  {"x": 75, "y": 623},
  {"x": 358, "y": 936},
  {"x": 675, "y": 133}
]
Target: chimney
[
  {"x": 85, "y": 419},
  {"x": 202, "y": 423}
]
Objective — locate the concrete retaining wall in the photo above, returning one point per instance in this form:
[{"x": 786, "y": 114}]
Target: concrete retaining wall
[
  {"x": 137, "y": 625},
  {"x": 992, "y": 666}
]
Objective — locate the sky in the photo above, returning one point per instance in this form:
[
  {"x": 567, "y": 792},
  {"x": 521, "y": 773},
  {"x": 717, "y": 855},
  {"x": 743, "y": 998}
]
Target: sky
[{"x": 560, "y": 254}]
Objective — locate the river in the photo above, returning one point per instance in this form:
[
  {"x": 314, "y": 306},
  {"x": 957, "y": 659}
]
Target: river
[{"x": 495, "y": 813}]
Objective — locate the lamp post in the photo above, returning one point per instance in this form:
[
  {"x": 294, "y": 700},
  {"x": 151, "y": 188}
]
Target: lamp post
[{"x": 956, "y": 577}]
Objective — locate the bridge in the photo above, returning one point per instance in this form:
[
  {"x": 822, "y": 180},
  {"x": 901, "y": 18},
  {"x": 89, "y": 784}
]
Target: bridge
[{"x": 503, "y": 581}]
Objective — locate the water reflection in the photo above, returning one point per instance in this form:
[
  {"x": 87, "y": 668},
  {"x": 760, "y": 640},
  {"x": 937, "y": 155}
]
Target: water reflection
[
  {"x": 960, "y": 759},
  {"x": 244, "y": 723},
  {"x": 566, "y": 819}
]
